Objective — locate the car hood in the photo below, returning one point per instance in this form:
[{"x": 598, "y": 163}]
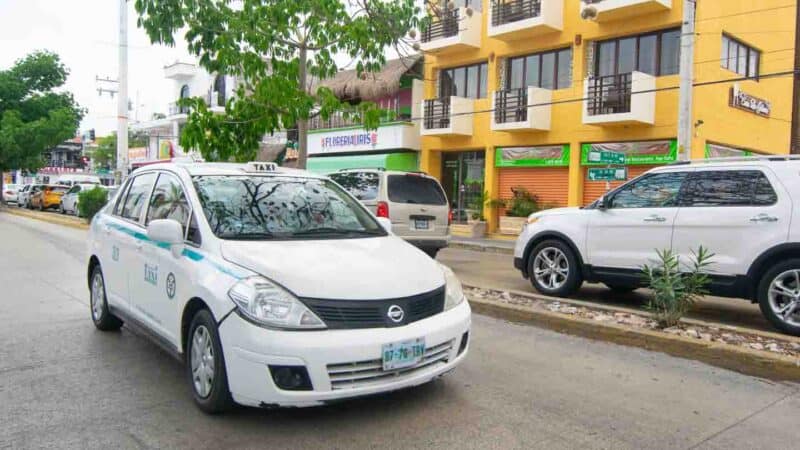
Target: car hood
[
  {"x": 557, "y": 212},
  {"x": 347, "y": 269}
]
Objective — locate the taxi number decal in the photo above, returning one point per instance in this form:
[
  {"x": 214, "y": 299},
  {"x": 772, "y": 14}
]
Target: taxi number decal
[
  {"x": 115, "y": 253},
  {"x": 151, "y": 274}
]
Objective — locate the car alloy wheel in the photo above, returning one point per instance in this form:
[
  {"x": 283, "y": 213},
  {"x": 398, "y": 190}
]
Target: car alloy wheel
[
  {"x": 784, "y": 297},
  {"x": 202, "y": 360},
  {"x": 98, "y": 296},
  {"x": 551, "y": 268}
]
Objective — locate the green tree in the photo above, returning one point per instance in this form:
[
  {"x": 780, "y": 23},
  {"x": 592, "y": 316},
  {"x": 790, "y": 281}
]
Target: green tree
[
  {"x": 278, "y": 50},
  {"x": 105, "y": 155},
  {"x": 33, "y": 116}
]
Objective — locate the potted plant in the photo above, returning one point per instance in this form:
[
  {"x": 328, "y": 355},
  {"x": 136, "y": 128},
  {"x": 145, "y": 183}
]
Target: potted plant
[
  {"x": 476, "y": 223},
  {"x": 516, "y": 209}
]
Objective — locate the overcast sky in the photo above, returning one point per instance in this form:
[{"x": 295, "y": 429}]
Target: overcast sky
[{"x": 85, "y": 34}]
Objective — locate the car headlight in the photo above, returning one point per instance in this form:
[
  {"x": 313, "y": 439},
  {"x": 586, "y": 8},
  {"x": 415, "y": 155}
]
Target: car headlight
[
  {"x": 453, "y": 293},
  {"x": 266, "y": 303}
]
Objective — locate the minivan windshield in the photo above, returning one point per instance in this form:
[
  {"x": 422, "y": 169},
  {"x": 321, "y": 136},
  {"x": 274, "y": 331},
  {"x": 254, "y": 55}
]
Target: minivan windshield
[
  {"x": 252, "y": 207},
  {"x": 416, "y": 189}
]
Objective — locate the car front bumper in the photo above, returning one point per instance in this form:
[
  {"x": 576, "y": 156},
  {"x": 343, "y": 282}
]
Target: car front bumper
[{"x": 250, "y": 349}]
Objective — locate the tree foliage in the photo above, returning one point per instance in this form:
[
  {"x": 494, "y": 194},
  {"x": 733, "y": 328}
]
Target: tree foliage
[
  {"x": 277, "y": 49},
  {"x": 33, "y": 115},
  {"x": 105, "y": 155}
]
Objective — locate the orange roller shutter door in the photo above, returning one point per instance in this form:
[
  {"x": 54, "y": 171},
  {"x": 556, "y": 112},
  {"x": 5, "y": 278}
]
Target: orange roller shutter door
[{"x": 550, "y": 184}]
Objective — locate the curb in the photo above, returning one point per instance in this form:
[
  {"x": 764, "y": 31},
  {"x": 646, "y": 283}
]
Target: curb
[
  {"x": 476, "y": 247},
  {"x": 49, "y": 218},
  {"x": 743, "y": 360}
]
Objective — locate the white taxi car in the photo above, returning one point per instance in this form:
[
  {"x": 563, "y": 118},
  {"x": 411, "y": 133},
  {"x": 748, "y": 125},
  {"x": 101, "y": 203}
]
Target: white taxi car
[{"x": 275, "y": 286}]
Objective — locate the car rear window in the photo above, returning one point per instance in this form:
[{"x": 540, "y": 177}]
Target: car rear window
[
  {"x": 362, "y": 185},
  {"x": 415, "y": 189}
]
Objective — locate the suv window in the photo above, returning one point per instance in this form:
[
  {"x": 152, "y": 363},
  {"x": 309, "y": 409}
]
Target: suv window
[
  {"x": 137, "y": 196},
  {"x": 651, "y": 191},
  {"x": 729, "y": 188},
  {"x": 415, "y": 189},
  {"x": 363, "y": 185},
  {"x": 169, "y": 201}
]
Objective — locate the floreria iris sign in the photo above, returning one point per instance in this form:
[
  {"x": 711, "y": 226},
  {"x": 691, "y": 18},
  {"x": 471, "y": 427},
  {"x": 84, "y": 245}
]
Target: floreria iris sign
[{"x": 350, "y": 140}]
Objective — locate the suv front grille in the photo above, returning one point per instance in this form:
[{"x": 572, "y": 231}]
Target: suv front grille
[
  {"x": 368, "y": 373},
  {"x": 348, "y": 314}
]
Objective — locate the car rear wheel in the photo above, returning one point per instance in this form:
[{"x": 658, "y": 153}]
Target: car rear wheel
[
  {"x": 205, "y": 365},
  {"x": 779, "y": 296},
  {"x": 101, "y": 316},
  {"x": 553, "y": 269}
]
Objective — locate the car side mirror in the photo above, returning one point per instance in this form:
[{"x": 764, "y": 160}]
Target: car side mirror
[
  {"x": 167, "y": 231},
  {"x": 385, "y": 223},
  {"x": 602, "y": 203}
]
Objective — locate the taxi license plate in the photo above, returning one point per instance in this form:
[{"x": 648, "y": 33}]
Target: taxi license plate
[
  {"x": 421, "y": 224},
  {"x": 398, "y": 355}
]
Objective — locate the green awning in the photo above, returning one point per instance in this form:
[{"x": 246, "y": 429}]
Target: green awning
[{"x": 407, "y": 162}]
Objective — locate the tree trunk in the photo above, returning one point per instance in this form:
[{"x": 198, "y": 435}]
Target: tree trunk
[
  {"x": 302, "y": 123},
  {"x": 2, "y": 199}
]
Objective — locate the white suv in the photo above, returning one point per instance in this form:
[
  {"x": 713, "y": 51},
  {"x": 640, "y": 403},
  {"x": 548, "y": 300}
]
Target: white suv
[
  {"x": 740, "y": 209},
  {"x": 275, "y": 286}
]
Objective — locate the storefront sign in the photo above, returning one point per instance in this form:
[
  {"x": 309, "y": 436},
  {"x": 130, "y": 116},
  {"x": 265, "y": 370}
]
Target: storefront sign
[
  {"x": 613, "y": 174},
  {"x": 544, "y": 156},
  {"x": 749, "y": 103},
  {"x": 636, "y": 153},
  {"x": 350, "y": 140},
  {"x": 391, "y": 136},
  {"x": 166, "y": 150},
  {"x": 722, "y": 151},
  {"x": 606, "y": 157},
  {"x": 137, "y": 154}
]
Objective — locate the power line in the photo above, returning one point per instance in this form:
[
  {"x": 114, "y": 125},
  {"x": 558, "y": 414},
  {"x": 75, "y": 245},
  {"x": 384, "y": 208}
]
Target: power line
[{"x": 745, "y": 13}]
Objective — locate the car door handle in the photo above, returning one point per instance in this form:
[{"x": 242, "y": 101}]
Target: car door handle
[
  {"x": 655, "y": 218},
  {"x": 107, "y": 229},
  {"x": 139, "y": 246},
  {"x": 764, "y": 218}
]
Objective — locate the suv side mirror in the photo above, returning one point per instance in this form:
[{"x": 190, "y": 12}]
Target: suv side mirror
[{"x": 167, "y": 231}]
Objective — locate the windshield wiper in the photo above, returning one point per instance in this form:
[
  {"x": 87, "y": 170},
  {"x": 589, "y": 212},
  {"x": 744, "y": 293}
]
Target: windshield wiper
[
  {"x": 254, "y": 236},
  {"x": 331, "y": 230}
]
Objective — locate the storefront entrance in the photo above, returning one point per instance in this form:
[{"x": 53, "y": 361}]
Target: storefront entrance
[{"x": 462, "y": 179}]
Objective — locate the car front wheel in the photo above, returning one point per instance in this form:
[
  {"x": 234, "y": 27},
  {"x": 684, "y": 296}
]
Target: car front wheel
[
  {"x": 205, "y": 365},
  {"x": 554, "y": 270},
  {"x": 779, "y": 296},
  {"x": 101, "y": 316}
]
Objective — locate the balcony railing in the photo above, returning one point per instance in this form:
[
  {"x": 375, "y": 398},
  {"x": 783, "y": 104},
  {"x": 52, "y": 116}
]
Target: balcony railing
[
  {"x": 443, "y": 27},
  {"x": 515, "y": 10},
  {"x": 338, "y": 120},
  {"x": 437, "y": 113},
  {"x": 511, "y": 105},
  {"x": 610, "y": 94}
]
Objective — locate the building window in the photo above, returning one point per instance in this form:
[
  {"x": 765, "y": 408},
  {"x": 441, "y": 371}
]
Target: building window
[
  {"x": 652, "y": 53},
  {"x": 466, "y": 81},
  {"x": 219, "y": 88},
  {"x": 184, "y": 94},
  {"x": 740, "y": 58},
  {"x": 474, "y": 4},
  {"x": 548, "y": 70}
]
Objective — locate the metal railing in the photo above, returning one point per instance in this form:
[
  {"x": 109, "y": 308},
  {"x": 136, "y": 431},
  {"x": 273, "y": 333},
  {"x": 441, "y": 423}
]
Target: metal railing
[
  {"x": 437, "y": 113},
  {"x": 508, "y": 11},
  {"x": 609, "y": 94},
  {"x": 511, "y": 105},
  {"x": 442, "y": 27},
  {"x": 340, "y": 120}
]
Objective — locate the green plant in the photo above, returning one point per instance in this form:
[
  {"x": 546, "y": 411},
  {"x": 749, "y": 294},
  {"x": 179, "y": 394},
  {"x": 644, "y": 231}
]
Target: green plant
[
  {"x": 675, "y": 290},
  {"x": 477, "y": 200},
  {"x": 91, "y": 201},
  {"x": 522, "y": 204}
]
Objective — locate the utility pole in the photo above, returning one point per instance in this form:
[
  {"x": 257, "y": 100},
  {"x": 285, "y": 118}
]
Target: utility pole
[
  {"x": 685, "y": 126},
  {"x": 122, "y": 98},
  {"x": 794, "y": 140}
]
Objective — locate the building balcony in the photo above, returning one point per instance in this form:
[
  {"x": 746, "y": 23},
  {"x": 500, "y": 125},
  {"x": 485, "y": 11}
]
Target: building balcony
[
  {"x": 180, "y": 71},
  {"x": 623, "y": 99},
  {"x": 608, "y": 10},
  {"x": 517, "y": 19},
  {"x": 449, "y": 116},
  {"x": 526, "y": 109},
  {"x": 454, "y": 31}
]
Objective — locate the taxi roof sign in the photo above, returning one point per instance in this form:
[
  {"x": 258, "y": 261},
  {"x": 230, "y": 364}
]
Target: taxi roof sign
[{"x": 259, "y": 166}]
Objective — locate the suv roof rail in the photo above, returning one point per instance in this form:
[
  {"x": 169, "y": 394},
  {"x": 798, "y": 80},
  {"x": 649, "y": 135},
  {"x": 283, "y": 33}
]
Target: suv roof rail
[
  {"x": 382, "y": 169},
  {"x": 739, "y": 159}
]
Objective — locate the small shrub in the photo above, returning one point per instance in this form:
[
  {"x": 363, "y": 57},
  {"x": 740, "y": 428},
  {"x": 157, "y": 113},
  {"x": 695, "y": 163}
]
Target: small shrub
[
  {"x": 674, "y": 290},
  {"x": 522, "y": 204},
  {"x": 91, "y": 201}
]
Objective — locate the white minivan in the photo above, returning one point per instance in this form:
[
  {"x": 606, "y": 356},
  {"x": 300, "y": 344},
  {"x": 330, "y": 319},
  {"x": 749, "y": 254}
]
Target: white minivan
[{"x": 275, "y": 287}]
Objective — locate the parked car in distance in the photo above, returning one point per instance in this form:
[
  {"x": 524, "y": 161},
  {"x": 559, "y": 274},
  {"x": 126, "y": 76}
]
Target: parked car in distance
[
  {"x": 69, "y": 201},
  {"x": 10, "y": 193},
  {"x": 414, "y": 202},
  {"x": 48, "y": 196},
  {"x": 73, "y": 179},
  {"x": 739, "y": 209},
  {"x": 25, "y": 194}
]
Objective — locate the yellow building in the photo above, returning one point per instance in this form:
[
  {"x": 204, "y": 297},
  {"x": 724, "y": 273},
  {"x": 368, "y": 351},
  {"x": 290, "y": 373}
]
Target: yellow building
[{"x": 518, "y": 91}]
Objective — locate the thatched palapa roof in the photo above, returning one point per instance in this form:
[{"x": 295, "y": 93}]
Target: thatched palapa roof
[{"x": 348, "y": 86}]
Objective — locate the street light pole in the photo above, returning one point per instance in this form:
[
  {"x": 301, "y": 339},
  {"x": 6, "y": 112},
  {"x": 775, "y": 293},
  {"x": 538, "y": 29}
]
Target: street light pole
[
  {"x": 122, "y": 99},
  {"x": 685, "y": 131}
]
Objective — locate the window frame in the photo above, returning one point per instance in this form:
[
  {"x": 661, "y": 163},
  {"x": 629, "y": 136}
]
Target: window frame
[
  {"x": 479, "y": 82},
  {"x": 186, "y": 225},
  {"x": 637, "y": 56},
  {"x": 143, "y": 213},
  {"x": 556, "y": 52},
  {"x": 737, "y": 44},
  {"x": 683, "y": 200}
]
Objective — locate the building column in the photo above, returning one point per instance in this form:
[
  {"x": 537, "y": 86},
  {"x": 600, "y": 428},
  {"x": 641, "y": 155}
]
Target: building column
[
  {"x": 576, "y": 178},
  {"x": 698, "y": 147},
  {"x": 490, "y": 188}
]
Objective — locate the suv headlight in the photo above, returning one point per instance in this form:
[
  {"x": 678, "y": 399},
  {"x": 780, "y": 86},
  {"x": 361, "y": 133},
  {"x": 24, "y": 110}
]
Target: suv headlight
[
  {"x": 266, "y": 303},
  {"x": 453, "y": 294}
]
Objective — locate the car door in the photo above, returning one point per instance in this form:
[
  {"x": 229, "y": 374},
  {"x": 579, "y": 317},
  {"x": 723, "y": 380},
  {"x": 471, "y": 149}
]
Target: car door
[
  {"x": 636, "y": 222},
  {"x": 116, "y": 243},
  {"x": 736, "y": 213},
  {"x": 69, "y": 200}
]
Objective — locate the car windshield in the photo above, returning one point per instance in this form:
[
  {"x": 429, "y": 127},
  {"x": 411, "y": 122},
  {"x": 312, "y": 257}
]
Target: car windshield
[{"x": 252, "y": 207}]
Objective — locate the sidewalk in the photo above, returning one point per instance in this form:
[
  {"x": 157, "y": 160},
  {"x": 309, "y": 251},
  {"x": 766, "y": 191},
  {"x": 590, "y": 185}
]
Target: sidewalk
[{"x": 502, "y": 246}]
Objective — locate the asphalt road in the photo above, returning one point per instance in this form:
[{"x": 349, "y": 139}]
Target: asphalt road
[{"x": 65, "y": 385}]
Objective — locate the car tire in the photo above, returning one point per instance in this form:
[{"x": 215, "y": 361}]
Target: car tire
[
  {"x": 98, "y": 303},
  {"x": 563, "y": 277},
  {"x": 620, "y": 288},
  {"x": 204, "y": 354},
  {"x": 787, "y": 274}
]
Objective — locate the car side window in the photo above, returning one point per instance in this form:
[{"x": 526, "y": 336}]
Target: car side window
[
  {"x": 137, "y": 196},
  {"x": 193, "y": 232},
  {"x": 729, "y": 188},
  {"x": 362, "y": 185},
  {"x": 121, "y": 200},
  {"x": 651, "y": 191},
  {"x": 169, "y": 201}
]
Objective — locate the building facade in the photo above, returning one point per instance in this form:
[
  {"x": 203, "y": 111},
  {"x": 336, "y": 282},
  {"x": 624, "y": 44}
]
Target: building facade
[{"x": 518, "y": 92}]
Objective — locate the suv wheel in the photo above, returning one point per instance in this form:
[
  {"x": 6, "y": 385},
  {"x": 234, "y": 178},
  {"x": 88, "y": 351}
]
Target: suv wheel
[
  {"x": 101, "y": 316},
  {"x": 205, "y": 365},
  {"x": 553, "y": 269},
  {"x": 779, "y": 296}
]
